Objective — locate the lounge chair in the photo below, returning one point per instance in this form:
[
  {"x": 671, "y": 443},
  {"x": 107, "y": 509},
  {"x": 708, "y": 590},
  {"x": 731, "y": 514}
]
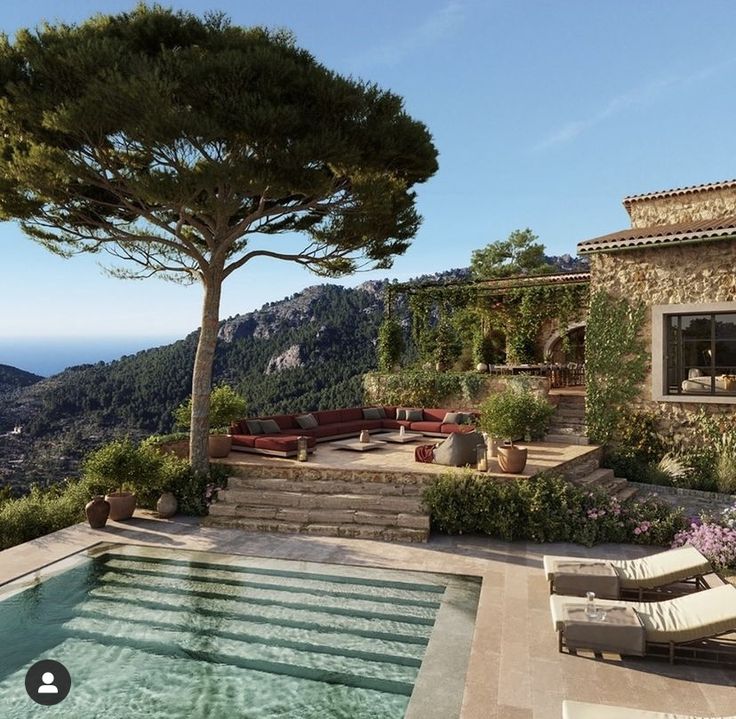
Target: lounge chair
[
  {"x": 583, "y": 710},
  {"x": 684, "y": 564},
  {"x": 689, "y": 625}
]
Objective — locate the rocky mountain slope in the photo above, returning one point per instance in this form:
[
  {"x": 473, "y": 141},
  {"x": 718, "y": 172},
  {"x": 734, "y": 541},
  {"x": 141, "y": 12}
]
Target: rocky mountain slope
[{"x": 308, "y": 351}]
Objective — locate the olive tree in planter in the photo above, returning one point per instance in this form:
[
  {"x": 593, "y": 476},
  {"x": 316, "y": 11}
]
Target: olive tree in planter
[
  {"x": 124, "y": 468},
  {"x": 226, "y": 406},
  {"x": 511, "y": 415}
]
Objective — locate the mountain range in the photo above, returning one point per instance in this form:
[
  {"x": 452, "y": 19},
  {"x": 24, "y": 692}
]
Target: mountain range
[{"x": 306, "y": 352}]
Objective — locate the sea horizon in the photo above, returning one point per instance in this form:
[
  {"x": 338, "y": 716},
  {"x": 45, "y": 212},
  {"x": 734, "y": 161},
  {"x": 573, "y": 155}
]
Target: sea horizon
[{"x": 48, "y": 356}]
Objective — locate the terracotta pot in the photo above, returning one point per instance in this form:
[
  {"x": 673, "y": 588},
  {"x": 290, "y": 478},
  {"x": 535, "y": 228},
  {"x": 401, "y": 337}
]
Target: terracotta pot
[
  {"x": 220, "y": 445},
  {"x": 511, "y": 460},
  {"x": 166, "y": 505},
  {"x": 122, "y": 505},
  {"x": 97, "y": 511}
]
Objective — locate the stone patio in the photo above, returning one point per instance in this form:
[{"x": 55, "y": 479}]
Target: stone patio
[{"x": 515, "y": 671}]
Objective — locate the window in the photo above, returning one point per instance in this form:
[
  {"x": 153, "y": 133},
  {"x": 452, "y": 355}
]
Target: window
[{"x": 700, "y": 351}]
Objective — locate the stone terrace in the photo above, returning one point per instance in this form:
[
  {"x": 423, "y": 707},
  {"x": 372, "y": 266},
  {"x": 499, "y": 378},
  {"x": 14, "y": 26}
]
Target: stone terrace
[
  {"x": 369, "y": 495},
  {"x": 515, "y": 671}
]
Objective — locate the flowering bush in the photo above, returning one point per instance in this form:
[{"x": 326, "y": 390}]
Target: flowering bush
[
  {"x": 728, "y": 517},
  {"x": 546, "y": 509},
  {"x": 715, "y": 542}
]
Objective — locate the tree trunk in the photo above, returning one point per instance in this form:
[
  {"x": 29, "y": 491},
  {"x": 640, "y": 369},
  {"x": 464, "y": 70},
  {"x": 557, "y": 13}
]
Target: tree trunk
[{"x": 202, "y": 374}]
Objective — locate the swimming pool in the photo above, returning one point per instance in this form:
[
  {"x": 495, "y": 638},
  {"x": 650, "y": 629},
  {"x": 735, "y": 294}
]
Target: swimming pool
[{"x": 166, "y": 633}]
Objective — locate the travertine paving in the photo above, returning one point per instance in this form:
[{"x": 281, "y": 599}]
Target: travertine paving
[{"x": 515, "y": 671}]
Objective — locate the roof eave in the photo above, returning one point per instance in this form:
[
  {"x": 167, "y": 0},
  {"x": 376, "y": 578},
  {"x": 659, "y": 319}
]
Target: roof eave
[{"x": 655, "y": 242}]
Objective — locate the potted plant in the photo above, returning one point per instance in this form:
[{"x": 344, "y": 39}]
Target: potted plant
[
  {"x": 510, "y": 415},
  {"x": 120, "y": 466},
  {"x": 226, "y": 406}
]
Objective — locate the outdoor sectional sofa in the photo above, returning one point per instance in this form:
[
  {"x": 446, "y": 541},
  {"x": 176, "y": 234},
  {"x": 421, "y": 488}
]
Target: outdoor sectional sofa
[{"x": 338, "y": 424}]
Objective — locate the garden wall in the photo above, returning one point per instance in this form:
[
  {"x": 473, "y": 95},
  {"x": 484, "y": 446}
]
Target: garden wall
[{"x": 461, "y": 390}]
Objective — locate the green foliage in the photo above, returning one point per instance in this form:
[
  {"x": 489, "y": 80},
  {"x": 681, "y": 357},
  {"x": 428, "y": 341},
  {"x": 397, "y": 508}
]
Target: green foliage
[
  {"x": 616, "y": 363},
  {"x": 122, "y": 465},
  {"x": 515, "y": 413},
  {"x": 487, "y": 347},
  {"x": 545, "y": 508},
  {"x": 226, "y": 406},
  {"x": 427, "y": 388},
  {"x": 445, "y": 342},
  {"x": 520, "y": 253},
  {"x": 390, "y": 345},
  {"x": 42, "y": 512}
]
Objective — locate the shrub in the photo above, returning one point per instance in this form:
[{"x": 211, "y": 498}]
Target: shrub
[
  {"x": 725, "y": 467},
  {"x": 714, "y": 541},
  {"x": 545, "y": 509},
  {"x": 226, "y": 406},
  {"x": 728, "y": 517},
  {"x": 514, "y": 413}
]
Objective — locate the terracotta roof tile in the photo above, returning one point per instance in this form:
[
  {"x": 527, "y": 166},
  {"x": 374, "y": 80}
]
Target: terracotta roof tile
[
  {"x": 682, "y": 232},
  {"x": 679, "y": 191}
]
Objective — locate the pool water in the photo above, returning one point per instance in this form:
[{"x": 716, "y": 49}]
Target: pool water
[{"x": 175, "y": 636}]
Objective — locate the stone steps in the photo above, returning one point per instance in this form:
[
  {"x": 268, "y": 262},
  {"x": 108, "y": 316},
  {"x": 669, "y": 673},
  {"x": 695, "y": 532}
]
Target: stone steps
[
  {"x": 353, "y": 531},
  {"x": 369, "y": 510},
  {"x": 568, "y": 422},
  {"x": 566, "y": 439},
  {"x": 605, "y": 479}
]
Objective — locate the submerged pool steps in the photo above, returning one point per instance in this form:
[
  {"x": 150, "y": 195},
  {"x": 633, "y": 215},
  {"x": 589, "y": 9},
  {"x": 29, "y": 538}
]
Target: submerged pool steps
[
  {"x": 353, "y": 631},
  {"x": 371, "y": 508}
]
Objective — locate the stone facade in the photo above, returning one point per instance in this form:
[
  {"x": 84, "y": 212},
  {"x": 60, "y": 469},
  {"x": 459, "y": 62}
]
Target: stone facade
[
  {"x": 704, "y": 204},
  {"x": 677, "y": 274}
]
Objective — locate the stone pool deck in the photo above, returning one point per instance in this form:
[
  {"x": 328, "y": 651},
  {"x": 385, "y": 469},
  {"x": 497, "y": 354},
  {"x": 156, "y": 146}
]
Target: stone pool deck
[{"x": 515, "y": 671}]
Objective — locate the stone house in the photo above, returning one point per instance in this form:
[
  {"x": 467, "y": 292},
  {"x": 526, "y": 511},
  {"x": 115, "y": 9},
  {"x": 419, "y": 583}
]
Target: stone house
[{"x": 678, "y": 258}]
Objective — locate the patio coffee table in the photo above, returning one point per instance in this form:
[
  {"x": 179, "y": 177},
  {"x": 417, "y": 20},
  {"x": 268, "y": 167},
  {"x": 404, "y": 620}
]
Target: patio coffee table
[
  {"x": 398, "y": 438},
  {"x": 355, "y": 446},
  {"x": 618, "y": 630}
]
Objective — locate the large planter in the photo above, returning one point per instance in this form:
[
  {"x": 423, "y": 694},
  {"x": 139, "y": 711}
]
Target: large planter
[
  {"x": 166, "y": 505},
  {"x": 220, "y": 445},
  {"x": 511, "y": 460},
  {"x": 97, "y": 511},
  {"x": 122, "y": 505}
]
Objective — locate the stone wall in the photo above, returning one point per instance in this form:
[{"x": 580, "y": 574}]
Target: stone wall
[
  {"x": 416, "y": 388},
  {"x": 701, "y": 273},
  {"x": 701, "y": 205}
]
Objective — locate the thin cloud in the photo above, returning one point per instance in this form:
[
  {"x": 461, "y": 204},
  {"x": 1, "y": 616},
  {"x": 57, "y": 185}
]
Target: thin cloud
[
  {"x": 641, "y": 96},
  {"x": 434, "y": 28}
]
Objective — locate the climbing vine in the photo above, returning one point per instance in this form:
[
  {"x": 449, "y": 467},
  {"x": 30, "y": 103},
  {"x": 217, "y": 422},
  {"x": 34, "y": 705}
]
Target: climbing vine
[
  {"x": 615, "y": 362},
  {"x": 390, "y": 344}
]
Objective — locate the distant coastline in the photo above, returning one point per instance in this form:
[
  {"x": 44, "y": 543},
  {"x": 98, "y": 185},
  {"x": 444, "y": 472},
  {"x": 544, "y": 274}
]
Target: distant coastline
[{"x": 48, "y": 356}]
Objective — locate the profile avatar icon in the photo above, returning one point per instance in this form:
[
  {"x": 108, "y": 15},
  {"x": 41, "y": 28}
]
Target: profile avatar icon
[
  {"x": 48, "y": 682},
  {"x": 48, "y": 686}
]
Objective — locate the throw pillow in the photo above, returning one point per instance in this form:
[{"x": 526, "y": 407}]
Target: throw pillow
[
  {"x": 254, "y": 426},
  {"x": 307, "y": 421},
  {"x": 371, "y": 413},
  {"x": 414, "y": 415},
  {"x": 452, "y": 418},
  {"x": 401, "y": 413},
  {"x": 269, "y": 426},
  {"x": 382, "y": 412}
]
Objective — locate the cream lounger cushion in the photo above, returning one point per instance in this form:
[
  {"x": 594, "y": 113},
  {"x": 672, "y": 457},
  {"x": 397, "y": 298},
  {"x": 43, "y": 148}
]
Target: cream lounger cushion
[
  {"x": 656, "y": 570},
  {"x": 682, "y": 619},
  {"x": 583, "y": 710}
]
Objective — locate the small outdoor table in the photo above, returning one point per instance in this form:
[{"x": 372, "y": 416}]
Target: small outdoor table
[
  {"x": 575, "y": 579},
  {"x": 617, "y": 629},
  {"x": 398, "y": 438}
]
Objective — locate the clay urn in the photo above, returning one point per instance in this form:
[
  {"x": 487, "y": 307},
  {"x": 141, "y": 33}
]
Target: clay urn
[{"x": 97, "y": 511}]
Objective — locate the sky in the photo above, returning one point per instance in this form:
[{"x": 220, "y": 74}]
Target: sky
[{"x": 546, "y": 113}]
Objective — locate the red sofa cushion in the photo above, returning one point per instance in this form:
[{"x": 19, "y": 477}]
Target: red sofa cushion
[
  {"x": 449, "y": 428},
  {"x": 426, "y": 426},
  {"x": 353, "y": 414},
  {"x": 285, "y": 421},
  {"x": 280, "y": 442},
  {"x": 434, "y": 415},
  {"x": 244, "y": 440},
  {"x": 327, "y": 416},
  {"x": 390, "y": 412}
]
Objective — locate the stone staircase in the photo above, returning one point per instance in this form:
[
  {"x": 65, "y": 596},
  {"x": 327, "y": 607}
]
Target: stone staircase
[
  {"x": 385, "y": 510},
  {"x": 605, "y": 479},
  {"x": 568, "y": 422}
]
